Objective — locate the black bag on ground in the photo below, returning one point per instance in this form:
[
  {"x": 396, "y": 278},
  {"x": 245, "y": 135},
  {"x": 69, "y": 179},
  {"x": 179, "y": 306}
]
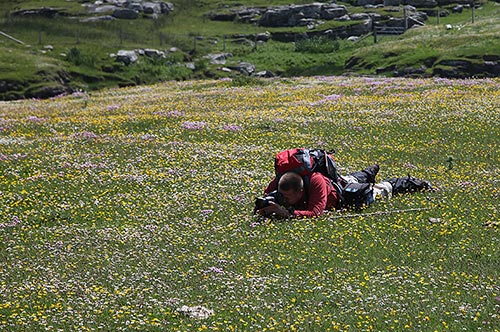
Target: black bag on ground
[
  {"x": 408, "y": 184},
  {"x": 357, "y": 195}
]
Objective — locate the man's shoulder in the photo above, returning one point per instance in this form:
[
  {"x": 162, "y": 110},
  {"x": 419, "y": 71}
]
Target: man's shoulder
[{"x": 319, "y": 178}]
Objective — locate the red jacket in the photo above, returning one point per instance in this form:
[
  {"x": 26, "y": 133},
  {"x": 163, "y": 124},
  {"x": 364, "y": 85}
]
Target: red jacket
[{"x": 320, "y": 196}]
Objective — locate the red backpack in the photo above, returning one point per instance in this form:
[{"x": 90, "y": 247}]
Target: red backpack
[{"x": 305, "y": 162}]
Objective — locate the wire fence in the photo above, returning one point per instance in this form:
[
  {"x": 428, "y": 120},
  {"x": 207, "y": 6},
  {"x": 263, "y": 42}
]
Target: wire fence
[{"x": 116, "y": 35}]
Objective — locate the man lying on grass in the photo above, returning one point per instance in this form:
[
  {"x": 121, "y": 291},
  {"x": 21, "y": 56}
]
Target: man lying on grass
[{"x": 293, "y": 195}]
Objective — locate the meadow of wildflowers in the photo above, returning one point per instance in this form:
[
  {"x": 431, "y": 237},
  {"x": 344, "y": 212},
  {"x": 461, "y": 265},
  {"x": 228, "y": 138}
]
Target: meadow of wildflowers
[{"x": 119, "y": 207}]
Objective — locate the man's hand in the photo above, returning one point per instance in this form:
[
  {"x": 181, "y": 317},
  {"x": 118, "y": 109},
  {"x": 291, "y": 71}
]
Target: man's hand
[{"x": 274, "y": 210}]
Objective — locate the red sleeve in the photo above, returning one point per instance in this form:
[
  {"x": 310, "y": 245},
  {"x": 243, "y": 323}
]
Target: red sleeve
[{"x": 318, "y": 197}]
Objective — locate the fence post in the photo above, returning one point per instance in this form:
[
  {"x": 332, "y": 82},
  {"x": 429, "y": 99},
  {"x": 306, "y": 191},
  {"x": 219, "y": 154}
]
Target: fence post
[
  {"x": 473, "y": 14},
  {"x": 405, "y": 14},
  {"x": 374, "y": 27},
  {"x": 224, "y": 43}
]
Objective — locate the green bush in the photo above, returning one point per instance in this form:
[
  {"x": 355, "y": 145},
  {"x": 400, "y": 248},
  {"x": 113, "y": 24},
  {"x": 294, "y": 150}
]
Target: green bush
[
  {"x": 316, "y": 45},
  {"x": 76, "y": 57}
]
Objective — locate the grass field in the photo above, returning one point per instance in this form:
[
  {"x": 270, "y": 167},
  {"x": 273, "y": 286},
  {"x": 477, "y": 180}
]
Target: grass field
[{"x": 121, "y": 206}]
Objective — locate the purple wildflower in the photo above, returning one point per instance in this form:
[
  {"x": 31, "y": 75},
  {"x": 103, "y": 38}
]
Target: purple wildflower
[
  {"x": 232, "y": 128},
  {"x": 214, "y": 269},
  {"x": 33, "y": 118},
  {"x": 86, "y": 135},
  {"x": 332, "y": 97},
  {"x": 113, "y": 107},
  {"x": 13, "y": 222},
  {"x": 194, "y": 125},
  {"x": 175, "y": 114}
]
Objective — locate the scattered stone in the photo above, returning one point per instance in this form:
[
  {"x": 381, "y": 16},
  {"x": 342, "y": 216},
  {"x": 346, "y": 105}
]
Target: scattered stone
[
  {"x": 435, "y": 220},
  {"x": 127, "y": 57},
  {"x": 218, "y": 58},
  {"x": 152, "y": 53},
  {"x": 244, "y": 67},
  {"x": 265, "y": 74},
  {"x": 197, "y": 312}
]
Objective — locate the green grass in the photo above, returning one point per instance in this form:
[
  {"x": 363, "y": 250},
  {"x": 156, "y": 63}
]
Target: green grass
[{"x": 120, "y": 206}]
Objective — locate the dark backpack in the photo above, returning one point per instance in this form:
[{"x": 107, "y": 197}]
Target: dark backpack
[
  {"x": 408, "y": 184},
  {"x": 305, "y": 162}
]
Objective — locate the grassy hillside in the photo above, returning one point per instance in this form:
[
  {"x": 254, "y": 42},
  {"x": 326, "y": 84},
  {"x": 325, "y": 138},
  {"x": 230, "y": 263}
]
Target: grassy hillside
[{"x": 79, "y": 57}]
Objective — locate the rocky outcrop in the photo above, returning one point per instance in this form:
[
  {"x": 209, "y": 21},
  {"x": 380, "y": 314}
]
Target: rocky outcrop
[
  {"x": 300, "y": 15},
  {"x": 343, "y": 32},
  {"x": 487, "y": 66},
  {"x": 241, "y": 14},
  {"x": 43, "y": 85},
  {"x": 283, "y": 16},
  {"x": 126, "y": 9},
  {"x": 42, "y": 12},
  {"x": 314, "y": 14}
]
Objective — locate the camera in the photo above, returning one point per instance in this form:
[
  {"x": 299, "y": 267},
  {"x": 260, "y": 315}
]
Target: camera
[{"x": 262, "y": 202}]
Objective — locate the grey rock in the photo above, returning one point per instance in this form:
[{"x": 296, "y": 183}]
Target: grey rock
[
  {"x": 98, "y": 18},
  {"x": 152, "y": 53},
  {"x": 126, "y": 57},
  {"x": 265, "y": 74},
  {"x": 125, "y": 13},
  {"x": 244, "y": 67},
  {"x": 151, "y": 8}
]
